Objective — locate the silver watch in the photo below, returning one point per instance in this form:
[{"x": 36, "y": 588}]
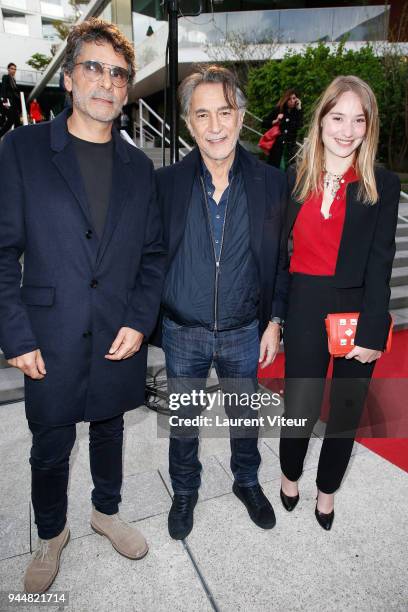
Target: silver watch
[{"x": 277, "y": 320}]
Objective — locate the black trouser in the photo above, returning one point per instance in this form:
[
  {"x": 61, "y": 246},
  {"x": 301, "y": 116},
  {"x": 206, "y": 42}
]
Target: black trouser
[
  {"x": 275, "y": 154},
  {"x": 12, "y": 118},
  {"x": 288, "y": 150},
  {"x": 49, "y": 461},
  {"x": 306, "y": 364}
]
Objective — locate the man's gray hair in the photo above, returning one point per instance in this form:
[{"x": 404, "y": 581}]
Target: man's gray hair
[{"x": 211, "y": 74}]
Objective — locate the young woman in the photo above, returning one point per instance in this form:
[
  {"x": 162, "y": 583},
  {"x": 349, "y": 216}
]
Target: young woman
[
  {"x": 342, "y": 214},
  {"x": 288, "y": 114}
]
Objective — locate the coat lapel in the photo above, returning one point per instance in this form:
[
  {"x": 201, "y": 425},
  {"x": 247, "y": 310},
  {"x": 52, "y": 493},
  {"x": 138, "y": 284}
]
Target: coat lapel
[
  {"x": 121, "y": 181},
  {"x": 67, "y": 164}
]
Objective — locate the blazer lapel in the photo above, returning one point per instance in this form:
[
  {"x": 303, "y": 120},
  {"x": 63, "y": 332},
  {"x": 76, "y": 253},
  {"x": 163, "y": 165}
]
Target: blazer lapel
[
  {"x": 183, "y": 180},
  {"x": 292, "y": 212},
  {"x": 255, "y": 184},
  {"x": 358, "y": 216}
]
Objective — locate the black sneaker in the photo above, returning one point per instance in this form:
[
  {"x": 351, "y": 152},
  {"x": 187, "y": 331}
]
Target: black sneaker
[
  {"x": 259, "y": 507},
  {"x": 181, "y": 515}
]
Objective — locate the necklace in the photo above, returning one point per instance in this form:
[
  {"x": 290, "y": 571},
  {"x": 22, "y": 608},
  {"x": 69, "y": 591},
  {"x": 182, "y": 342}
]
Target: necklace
[{"x": 331, "y": 181}]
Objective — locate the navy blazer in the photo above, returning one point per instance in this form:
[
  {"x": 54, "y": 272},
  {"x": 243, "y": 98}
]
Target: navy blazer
[
  {"x": 77, "y": 291},
  {"x": 266, "y": 191},
  {"x": 366, "y": 253}
]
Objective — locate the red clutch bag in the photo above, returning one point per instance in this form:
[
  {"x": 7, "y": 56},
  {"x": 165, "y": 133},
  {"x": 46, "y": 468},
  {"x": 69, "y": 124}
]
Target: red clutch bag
[
  {"x": 267, "y": 141},
  {"x": 341, "y": 330}
]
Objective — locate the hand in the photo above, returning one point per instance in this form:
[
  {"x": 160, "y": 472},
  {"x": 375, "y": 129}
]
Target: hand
[
  {"x": 278, "y": 118},
  {"x": 298, "y": 104},
  {"x": 364, "y": 355},
  {"x": 31, "y": 364},
  {"x": 269, "y": 345},
  {"x": 127, "y": 343}
]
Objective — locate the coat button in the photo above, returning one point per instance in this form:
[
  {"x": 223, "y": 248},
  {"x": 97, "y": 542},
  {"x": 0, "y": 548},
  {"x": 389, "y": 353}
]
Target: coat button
[
  {"x": 93, "y": 284},
  {"x": 88, "y": 234},
  {"x": 87, "y": 334}
]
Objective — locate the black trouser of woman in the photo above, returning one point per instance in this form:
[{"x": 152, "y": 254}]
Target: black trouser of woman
[
  {"x": 275, "y": 154},
  {"x": 288, "y": 150},
  {"x": 306, "y": 364}
]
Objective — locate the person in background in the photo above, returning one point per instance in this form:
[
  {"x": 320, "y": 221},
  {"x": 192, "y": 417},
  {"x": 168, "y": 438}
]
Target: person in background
[
  {"x": 36, "y": 113},
  {"x": 288, "y": 114},
  {"x": 10, "y": 100},
  {"x": 343, "y": 213}
]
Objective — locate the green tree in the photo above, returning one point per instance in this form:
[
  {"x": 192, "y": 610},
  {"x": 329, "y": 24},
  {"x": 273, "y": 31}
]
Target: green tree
[
  {"x": 39, "y": 61},
  {"x": 315, "y": 67}
]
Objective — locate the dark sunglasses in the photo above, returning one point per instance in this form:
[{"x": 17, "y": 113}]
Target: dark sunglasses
[{"x": 93, "y": 71}]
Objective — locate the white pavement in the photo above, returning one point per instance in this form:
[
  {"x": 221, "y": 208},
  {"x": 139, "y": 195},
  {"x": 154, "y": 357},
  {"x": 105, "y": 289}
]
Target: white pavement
[{"x": 227, "y": 563}]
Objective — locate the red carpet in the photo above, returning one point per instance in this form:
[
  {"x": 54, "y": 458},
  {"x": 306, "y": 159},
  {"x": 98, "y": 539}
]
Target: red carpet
[{"x": 394, "y": 365}]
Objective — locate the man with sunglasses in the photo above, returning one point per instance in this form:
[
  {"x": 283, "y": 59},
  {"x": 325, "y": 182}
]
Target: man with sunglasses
[{"x": 83, "y": 211}]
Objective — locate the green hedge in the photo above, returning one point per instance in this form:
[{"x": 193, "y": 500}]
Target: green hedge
[{"x": 311, "y": 71}]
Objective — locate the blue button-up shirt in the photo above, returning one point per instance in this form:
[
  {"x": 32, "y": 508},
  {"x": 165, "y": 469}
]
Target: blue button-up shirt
[{"x": 217, "y": 212}]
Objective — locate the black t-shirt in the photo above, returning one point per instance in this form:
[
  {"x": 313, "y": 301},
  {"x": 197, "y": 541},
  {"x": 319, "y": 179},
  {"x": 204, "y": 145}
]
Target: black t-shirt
[{"x": 95, "y": 161}]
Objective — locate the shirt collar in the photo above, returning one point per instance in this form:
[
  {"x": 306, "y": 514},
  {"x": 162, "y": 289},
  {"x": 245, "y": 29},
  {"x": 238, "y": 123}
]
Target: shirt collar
[
  {"x": 350, "y": 176},
  {"x": 232, "y": 171}
]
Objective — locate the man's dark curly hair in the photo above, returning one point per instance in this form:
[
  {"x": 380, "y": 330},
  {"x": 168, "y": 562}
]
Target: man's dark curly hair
[{"x": 97, "y": 31}]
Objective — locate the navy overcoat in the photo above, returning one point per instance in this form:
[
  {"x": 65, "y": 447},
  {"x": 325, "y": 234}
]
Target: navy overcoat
[{"x": 76, "y": 291}]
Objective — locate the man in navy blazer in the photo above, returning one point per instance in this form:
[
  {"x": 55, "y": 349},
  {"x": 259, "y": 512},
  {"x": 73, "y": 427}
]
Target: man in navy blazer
[
  {"x": 224, "y": 296},
  {"x": 80, "y": 204}
]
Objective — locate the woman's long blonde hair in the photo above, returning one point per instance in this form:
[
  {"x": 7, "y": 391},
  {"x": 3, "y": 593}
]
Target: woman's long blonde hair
[{"x": 310, "y": 164}]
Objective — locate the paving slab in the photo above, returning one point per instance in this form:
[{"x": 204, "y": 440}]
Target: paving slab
[
  {"x": 14, "y": 530},
  {"x": 98, "y": 579},
  {"x": 143, "y": 495},
  {"x": 11, "y": 384},
  {"x": 297, "y": 565},
  {"x": 143, "y": 449},
  {"x": 15, "y": 445},
  {"x": 163, "y": 580},
  {"x": 11, "y": 580}
]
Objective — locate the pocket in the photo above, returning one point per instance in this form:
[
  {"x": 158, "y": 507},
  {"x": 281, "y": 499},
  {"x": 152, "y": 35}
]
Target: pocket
[
  {"x": 37, "y": 296},
  {"x": 170, "y": 324},
  {"x": 254, "y": 324}
]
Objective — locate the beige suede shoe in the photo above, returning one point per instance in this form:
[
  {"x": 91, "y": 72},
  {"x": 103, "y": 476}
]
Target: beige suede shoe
[
  {"x": 44, "y": 565},
  {"x": 127, "y": 540}
]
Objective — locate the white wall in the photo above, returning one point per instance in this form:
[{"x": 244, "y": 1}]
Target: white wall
[{"x": 19, "y": 49}]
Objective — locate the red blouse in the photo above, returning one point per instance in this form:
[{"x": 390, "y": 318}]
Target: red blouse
[{"x": 316, "y": 240}]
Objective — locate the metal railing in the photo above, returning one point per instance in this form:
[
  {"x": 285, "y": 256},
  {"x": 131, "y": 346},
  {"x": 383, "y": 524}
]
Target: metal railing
[
  {"x": 251, "y": 129},
  {"x": 146, "y": 134},
  {"x": 402, "y": 217}
]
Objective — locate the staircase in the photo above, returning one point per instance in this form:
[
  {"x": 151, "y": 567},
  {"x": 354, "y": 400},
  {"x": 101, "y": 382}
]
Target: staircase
[
  {"x": 156, "y": 155},
  {"x": 399, "y": 279},
  {"x": 12, "y": 381}
]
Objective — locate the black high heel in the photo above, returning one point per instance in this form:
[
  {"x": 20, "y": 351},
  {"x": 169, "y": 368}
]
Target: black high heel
[
  {"x": 324, "y": 520},
  {"x": 289, "y": 502}
]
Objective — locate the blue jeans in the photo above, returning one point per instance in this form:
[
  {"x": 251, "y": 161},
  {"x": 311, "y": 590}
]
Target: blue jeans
[{"x": 190, "y": 353}]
